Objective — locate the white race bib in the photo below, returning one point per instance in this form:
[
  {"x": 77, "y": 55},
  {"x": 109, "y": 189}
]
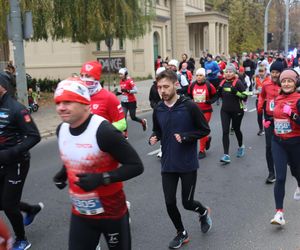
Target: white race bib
[{"x": 87, "y": 204}]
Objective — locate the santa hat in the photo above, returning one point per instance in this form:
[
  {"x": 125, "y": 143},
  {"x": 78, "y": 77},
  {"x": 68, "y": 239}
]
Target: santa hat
[
  {"x": 92, "y": 68},
  {"x": 72, "y": 90}
]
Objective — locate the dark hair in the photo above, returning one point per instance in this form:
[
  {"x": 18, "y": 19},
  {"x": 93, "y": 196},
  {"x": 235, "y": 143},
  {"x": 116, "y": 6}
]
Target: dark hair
[{"x": 167, "y": 74}]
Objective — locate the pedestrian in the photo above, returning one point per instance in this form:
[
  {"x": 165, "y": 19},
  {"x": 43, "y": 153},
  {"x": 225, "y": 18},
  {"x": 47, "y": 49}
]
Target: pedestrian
[
  {"x": 259, "y": 81},
  {"x": 286, "y": 139},
  {"x": 212, "y": 71},
  {"x": 5, "y": 238},
  {"x": 249, "y": 67},
  {"x": 270, "y": 90},
  {"x": 185, "y": 72},
  {"x": 189, "y": 61},
  {"x": 231, "y": 90},
  {"x": 178, "y": 123},
  {"x": 128, "y": 100},
  {"x": 96, "y": 159},
  {"x": 203, "y": 93},
  {"x": 182, "y": 83},
  {"x": 18, "y": 134},
  {"x": 103, "y": 102},
  {"x": 158, "y": 62},
  {"x": 155, "y": 98}
]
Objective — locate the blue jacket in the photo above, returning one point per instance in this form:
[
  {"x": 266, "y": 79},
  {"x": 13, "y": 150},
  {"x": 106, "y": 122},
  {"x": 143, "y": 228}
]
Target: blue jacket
[
  {"x": 212, "y": 69},
  {"x": 186, "y": 119}
]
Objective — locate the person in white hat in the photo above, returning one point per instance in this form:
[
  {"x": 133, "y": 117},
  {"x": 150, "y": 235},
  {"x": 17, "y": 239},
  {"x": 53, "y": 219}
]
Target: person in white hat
[
  {"x": 182, "y": 84},
  {"x": 96, "y": 159}
]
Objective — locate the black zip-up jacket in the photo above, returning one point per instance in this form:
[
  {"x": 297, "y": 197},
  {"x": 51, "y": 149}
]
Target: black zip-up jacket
[
  {"x": 186, "y": 119},
  {"x": 154, "y": 97},
  {"x": 18, "y": 132}
]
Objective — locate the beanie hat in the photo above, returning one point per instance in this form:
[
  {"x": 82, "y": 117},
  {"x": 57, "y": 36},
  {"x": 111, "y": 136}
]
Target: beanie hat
[
  {"x": 72, "y": 89},
  {"x": 209, "y": 55},
  {"x": 159, "y": 70},
  {"x": 289, "y": 74},
  {"x": 277, "y": 65},
  {"x": 123, "y": 71},
  {"x": 200, "y": 71},
  {"x": 173, "y": 62},
  {"x": 4, "y": 80},
  {"x": 92, "y": 68},
  {"x": 231, "y": 67}
]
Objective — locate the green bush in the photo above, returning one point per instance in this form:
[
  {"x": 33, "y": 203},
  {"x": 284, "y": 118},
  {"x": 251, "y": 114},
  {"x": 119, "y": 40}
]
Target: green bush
[{"x": 46, "y": 85}]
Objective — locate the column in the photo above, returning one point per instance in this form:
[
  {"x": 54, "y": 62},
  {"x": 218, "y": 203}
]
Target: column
[
  {"x": 217, "y": 38},
  {"x": 222, "y": 38},
  {"x": 212, "y": 37},
  {"x": 226, "y": 40}
]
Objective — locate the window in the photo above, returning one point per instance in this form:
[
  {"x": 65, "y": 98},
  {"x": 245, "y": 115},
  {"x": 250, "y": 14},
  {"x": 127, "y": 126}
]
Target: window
[
  {"x": 157, "y": 2},
  {"x": 166, "y": 3},
  {"x": 98, "y": 46},
  {"x": 121, "y": 44}
]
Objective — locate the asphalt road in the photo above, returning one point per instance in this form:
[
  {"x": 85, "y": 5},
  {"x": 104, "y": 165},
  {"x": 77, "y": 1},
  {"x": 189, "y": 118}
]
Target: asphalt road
[{"x": 242, "y": 204}]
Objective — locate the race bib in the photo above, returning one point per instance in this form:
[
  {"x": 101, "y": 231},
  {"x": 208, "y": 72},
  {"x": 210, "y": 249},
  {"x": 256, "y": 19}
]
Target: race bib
[
  {"x": 282, "y": 126},
  {"x": 208, "y": 71},
  {"x": 200, "y": 97},
  {"x": 271, "y": 105},
  {"x": 124, "y": 98},
  {"x": 87, "y": 204},
  {"x": 247, "y": 69}
]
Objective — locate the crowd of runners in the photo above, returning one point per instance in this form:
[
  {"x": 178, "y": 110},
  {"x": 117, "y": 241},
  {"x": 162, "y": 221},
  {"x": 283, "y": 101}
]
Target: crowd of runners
[{"x": 97, "y": 156}]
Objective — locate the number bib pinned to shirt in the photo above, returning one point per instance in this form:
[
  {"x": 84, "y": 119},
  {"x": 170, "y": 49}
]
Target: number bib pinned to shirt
[
  {"x": 282, "y": 126},
  {"x": 271, "y": 105},
  {"x": 87, "y": 204},
  {"x": 124, "y": 98},
  {"x": 200, "y": 97}
]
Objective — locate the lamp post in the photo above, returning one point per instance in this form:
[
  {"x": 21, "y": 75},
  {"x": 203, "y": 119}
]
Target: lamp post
[
  {"x": 266, "y": 26},
  {"x": 286, "y": 33}
]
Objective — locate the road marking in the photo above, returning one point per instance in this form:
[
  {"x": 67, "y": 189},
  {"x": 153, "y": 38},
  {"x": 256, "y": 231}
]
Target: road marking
[
  {"x": 252, "y": 110},
  {"x": 154, "y": 152}
]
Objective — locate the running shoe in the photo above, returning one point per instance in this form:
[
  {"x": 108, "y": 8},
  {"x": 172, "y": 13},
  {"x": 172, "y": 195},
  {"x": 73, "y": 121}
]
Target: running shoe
[
  {"x": 180, "y": 238},
  {"x": 225, "y": 158},
  {"x": 271, "y": 179},
  {"x": 297, "y": 194},
  {"x": 29, "y": 217},
  {"x": 21, "y": 245},
  {"x": 201, "y": 155},
  {"x": 207, "y": 146},
  {"x": 278, "y": 219},
  {"x": 260, "y": 133},
  {"x": 159, "y": 155},
  {"x": 241, "y": 151},
  {"x": 205, "y": 221},
  {"x": 144, "y": 124}
]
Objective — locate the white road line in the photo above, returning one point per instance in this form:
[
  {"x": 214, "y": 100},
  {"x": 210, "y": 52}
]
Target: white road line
[
  {"x": 154, "y": 152},
  {"x": 252, "y": 110}
]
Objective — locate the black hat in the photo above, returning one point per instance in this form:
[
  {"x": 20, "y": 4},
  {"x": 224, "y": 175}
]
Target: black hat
[
  {"x": 277, "y": 65},
  {"x": 209, "y": 55},
  {"x": 5, "y": 80}
]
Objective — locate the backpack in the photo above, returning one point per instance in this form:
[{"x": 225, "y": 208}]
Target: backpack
[{"x": 207, "y": 86}]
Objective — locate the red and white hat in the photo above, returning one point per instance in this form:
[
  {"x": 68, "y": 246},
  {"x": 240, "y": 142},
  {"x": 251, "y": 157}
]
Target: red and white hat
[
  {"x": 72, "y": 89},
  {"x": 92, "y": 68}
]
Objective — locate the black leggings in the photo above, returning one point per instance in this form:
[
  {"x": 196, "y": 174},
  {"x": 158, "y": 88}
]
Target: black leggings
[
  {"x": 259, "y": 117},
  {"x": 284, "y": 154},
  {"x": 131, "y": 107},
  {"x": 236, "y": 118},
  {"x": 12, "y": 178},
  {"x": 269, "y": 133},
  {"x": 85, "y": 233},
  {"x": 188, "y": 184}
]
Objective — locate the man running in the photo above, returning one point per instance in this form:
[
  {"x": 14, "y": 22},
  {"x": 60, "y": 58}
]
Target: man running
[
  {"x": 92, "y": 151},
  {"x": 178, "y": 123}
]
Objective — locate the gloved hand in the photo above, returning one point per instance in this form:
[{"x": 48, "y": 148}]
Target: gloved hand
[
  {"x": 208, "y": 102},
  {"x": 125, "y": 90},
  {"x": 233, "y": 90},
  {"x": 60, "y": 178},
  {"x": 287, "y": 109},
  {"x": 89, "y": 182},
  {"x": 266, "y": 123}
]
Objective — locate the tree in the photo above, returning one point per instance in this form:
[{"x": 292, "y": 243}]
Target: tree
[{"x": 84, "y": 21}]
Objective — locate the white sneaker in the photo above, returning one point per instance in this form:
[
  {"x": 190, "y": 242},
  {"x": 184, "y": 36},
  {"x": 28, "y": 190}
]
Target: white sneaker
[
  {"x": 278, "y": 219},
  {"x": 297, "y": 194},
  {"x": 159, "y": 155},
  {"x": 128, "y": 204}
]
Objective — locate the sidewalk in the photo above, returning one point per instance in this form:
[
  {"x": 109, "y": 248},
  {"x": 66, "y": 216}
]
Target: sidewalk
[{"x": 47, "y": 120}]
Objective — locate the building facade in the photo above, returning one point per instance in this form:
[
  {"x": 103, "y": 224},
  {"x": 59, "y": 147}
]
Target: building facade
[{"x": 180, "y": 26}]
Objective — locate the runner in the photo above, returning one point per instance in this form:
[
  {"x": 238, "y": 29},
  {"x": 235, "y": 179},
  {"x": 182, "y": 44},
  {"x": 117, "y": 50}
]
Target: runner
[
  {"x": 182, "y": 82},
  {"x": 286, "y": 140},
  {"x": 270, "y": 90},
  {"x": 178, "y": 123},
  {"x": 128, "y": 100},
  {"x": 259, "y": 81},
  {"x": 91, "y": 150},
  {"x": 203, "y": 93},
  {"x": 231, "y": 90},
  {"x": 18, "y": 134}
]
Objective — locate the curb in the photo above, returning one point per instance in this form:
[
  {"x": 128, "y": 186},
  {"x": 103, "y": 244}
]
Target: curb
[{"x": 50, "y": 133}]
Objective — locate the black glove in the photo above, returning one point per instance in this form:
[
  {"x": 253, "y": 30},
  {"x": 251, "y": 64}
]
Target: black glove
[
  {"x": 208, "y": 102},
  {"x": 60, "y": 178},
  {"x": 89, "y": 182},
  {"x": 234, "y": 90},
  {"x": 125, "y": 90}
]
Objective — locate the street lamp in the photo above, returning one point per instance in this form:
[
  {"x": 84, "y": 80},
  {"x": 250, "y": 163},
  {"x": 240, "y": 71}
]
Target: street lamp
[
  {"x": 286, "y": 33},
  {"x": 266, "y": 26}
]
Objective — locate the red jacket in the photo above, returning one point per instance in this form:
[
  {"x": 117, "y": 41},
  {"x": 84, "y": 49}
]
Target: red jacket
[
  {"x": 284, "y": 126},
  {"x": 127, "y": 84},
  {"x": 269, "y": 92}
]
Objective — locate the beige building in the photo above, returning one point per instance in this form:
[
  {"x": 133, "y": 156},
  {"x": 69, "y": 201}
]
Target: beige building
[{"x": 180, "y": 26}]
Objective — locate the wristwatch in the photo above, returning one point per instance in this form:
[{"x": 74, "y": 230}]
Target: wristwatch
[
  {"x": 294, "y": 116},
  {"x": 106, "y": 178}
]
